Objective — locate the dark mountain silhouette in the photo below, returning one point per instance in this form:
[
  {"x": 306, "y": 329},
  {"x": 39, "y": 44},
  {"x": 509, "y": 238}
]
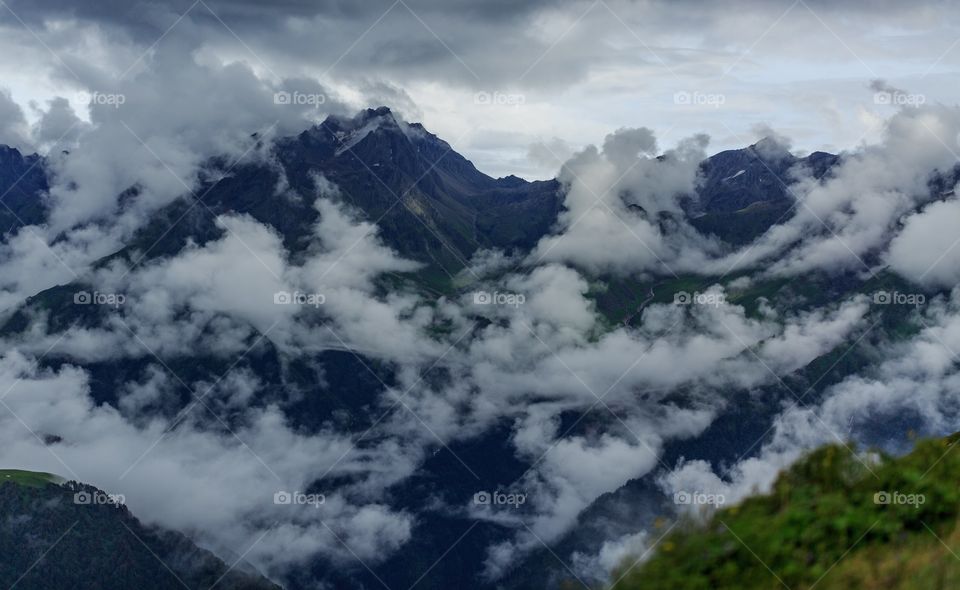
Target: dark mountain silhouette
[
  {"x": 743, "y": 192},
  {"x": 430, "y": 203},
  {"x": 70, "y": 535}
]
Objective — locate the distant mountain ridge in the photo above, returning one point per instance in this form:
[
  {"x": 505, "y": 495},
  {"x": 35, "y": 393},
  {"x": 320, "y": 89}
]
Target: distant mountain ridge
[
  {"x": 744, "y": 192},
  {"x": 430, "y": 203},
  {"x": 736, "y": 179}
]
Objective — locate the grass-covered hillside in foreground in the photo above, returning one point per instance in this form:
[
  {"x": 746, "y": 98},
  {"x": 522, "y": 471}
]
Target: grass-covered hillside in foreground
[{"x": 830, "y": 522}]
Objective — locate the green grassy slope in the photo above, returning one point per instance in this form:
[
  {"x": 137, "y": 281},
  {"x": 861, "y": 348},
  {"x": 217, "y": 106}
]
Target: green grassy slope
[
  {"x": 824, "y": 526},
  {"x": 30, "y": 479}
]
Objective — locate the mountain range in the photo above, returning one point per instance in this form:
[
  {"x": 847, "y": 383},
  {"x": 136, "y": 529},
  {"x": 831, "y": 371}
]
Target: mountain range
[
  {"x": 432, "y": 206},
  {"x": 430, "y": 203}
]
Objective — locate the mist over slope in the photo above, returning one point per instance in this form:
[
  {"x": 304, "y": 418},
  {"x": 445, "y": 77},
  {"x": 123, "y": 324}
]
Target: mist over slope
[
  {"x": 488, "y": 295},
  {"x": 467, "y": 366}
]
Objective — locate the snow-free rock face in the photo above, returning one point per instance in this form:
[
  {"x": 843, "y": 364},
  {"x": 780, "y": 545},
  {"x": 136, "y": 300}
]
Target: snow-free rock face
[
  {"x": 430, "y": 203},
  {"x": 736, "y": 179}
]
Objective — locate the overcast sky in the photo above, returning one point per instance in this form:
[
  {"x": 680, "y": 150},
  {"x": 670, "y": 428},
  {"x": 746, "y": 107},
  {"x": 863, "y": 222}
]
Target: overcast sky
[{"x": 514, "y": 85}]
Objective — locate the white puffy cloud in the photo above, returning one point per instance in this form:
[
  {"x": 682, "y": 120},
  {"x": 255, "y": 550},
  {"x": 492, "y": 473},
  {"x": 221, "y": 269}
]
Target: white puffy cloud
[
  {"x": 13, "y": 124},
  {"x": 216, "y": 484},
  {"x": 925, "y": 251},
  {"x": 622, "y": 211}
]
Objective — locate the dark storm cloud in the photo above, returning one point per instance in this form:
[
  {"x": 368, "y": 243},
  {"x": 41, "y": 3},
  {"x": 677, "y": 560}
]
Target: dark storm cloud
[
  {"x": 433, "y": 39},
  {"x": 142, "y": 15},
  {"x": 120, "y": 11},
  {"x": 536, "y": 44}
]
